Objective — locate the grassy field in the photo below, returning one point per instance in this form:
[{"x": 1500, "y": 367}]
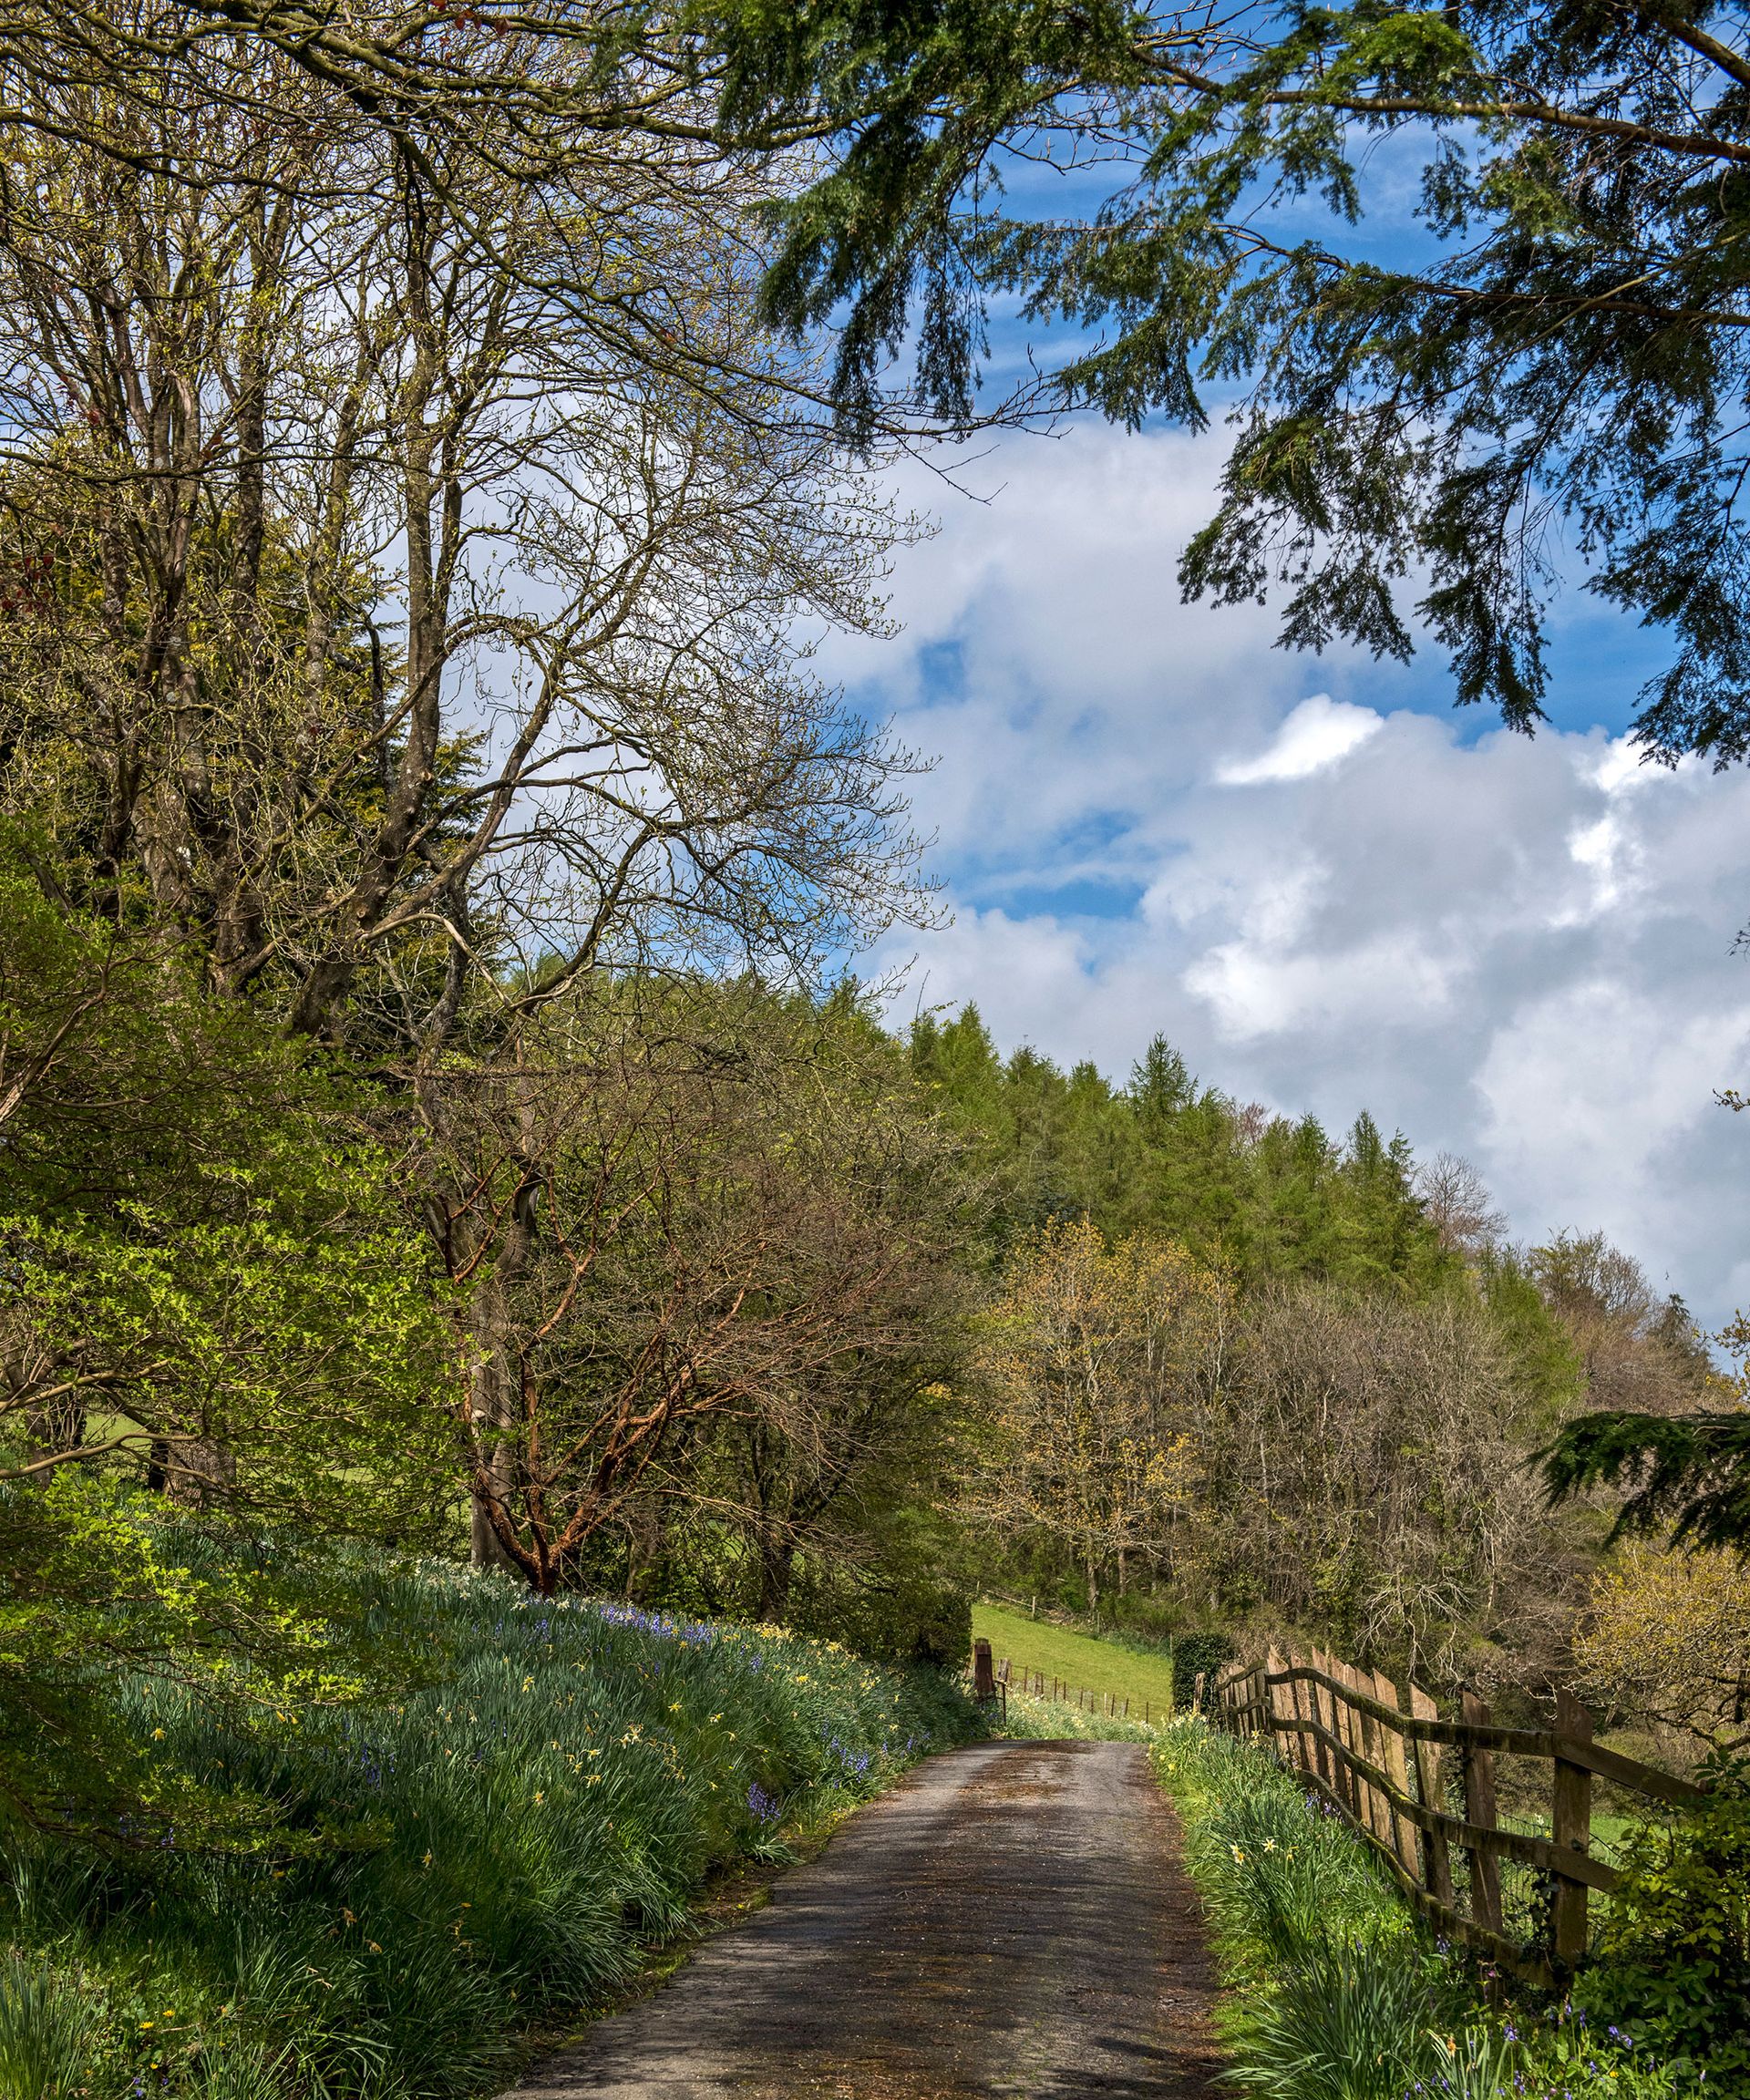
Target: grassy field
[{"x": 1099, "y": 1666}]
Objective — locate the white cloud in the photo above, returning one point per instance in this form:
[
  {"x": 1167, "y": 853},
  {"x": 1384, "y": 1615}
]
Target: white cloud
[
  {"x": 1316, "y": 735},
  {"x": 1517, "y": 949}
]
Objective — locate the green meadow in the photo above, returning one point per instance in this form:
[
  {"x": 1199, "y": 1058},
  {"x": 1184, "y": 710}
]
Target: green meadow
[{"x": 1079, "y": 1658}]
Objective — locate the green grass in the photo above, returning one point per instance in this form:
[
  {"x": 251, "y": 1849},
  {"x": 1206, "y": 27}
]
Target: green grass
[
  {"x": 1098, "y": 1665},
  {"x": 1607, "y": 1831},
  {"x": 486, "y": 1857}
]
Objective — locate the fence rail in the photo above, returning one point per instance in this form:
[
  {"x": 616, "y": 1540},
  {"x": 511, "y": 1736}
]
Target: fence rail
[{"x": 1379, "y": 1760}]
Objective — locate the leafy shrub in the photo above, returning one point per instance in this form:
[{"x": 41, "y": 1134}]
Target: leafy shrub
[
  {"x": 1672, "y": 1962},
  {"x": 1195, "y": 1654}
]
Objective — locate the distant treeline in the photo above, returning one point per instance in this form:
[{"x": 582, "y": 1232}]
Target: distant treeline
[{"x": 1234, "y": 1371}]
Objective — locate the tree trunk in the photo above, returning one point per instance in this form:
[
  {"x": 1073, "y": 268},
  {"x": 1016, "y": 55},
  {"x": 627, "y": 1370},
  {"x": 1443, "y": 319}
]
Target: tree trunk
[{"x": 777, "y": 1565}]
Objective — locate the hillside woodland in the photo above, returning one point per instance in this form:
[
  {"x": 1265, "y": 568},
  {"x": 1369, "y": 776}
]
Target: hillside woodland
[{"x": 1233, "y": 1373}]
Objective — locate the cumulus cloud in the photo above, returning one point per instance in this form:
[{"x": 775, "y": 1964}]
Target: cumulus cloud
[
  {"x": 1316, "y": 735},
  {"x": 1331, "y": 899}
]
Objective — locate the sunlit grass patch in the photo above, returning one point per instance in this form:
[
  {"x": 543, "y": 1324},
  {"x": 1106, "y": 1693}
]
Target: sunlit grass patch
[{"x": 1079, "y": 1660}]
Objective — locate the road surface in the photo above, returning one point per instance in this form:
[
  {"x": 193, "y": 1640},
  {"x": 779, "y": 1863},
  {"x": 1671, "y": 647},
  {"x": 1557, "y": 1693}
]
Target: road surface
[{"x": 1010, "y": 1921}]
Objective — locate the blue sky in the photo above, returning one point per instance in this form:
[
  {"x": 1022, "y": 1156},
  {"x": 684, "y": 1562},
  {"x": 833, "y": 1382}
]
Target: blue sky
[{"x": 1331, "y": 889}]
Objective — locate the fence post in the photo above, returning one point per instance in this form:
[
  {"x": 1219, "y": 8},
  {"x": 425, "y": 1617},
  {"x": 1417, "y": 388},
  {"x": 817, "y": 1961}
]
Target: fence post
[
  {"x": 1303, "y": 1742},
  {"x": 1347, "y": 1731},
  {"x": 984, "y": 1676},
  {"x": 1343, "y": 1780},
  {"x": 1324, "y": 1763},
  {"x": 1367, "y": 1742},
  {"x": 1570, "y": 1828},
  {"x": 1197, "y": 1694},
  {"x": 1432, "y": 1793},
  {"x": 1479, "y": 1808},
  {"x": 1276, "y": 1705},
  {"x": 1397, "y": 1771}
]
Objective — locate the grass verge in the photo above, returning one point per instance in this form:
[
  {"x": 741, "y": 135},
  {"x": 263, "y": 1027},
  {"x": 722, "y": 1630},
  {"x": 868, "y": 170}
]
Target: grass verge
[
  {"x": 1335, "y": 1990},
  {"x": 452, "y": 1874}
]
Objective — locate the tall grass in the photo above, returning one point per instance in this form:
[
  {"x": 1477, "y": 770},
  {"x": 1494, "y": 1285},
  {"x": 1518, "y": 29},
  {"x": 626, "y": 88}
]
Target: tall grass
[
  {"x": 450, "y": 1871},
  {"x": 1337, "y": 1991}
]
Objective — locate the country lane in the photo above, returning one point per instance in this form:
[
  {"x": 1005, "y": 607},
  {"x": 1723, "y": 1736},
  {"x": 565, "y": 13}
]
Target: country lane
[{"x": 1010, "y": 1921}]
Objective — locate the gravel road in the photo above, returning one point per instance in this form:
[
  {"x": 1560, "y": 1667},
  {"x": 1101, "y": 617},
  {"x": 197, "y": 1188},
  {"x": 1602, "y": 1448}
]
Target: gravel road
[{"x": 1010, "y": 1921}]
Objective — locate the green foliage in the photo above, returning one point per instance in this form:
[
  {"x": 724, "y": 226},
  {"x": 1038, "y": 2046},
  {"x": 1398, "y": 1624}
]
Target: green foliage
[
  {"x": 1673, "y": 1958},
  {"x": 1558, "y": 343},
  {"x": 1267, "y": 1195},
  {"x": 493, "y": 1848},
  {"x": 1690, "y": 1475},
  {"x": 48, "y": 2025},
  {"x": 1345, "y": 2025},
  {"x": 96, "y": 1582},
  {"x": 1195, "y": 1655},
  {"x": 1282, "y": 1876},
  {"x": 1543, "y": 1352},
  {"x": 207, "y": 1284},
  {"x": 896, "y": 1595}
]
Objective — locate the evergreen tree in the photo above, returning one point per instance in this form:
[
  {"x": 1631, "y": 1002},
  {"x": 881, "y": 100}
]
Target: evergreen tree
[{"x": 1562, "y": 344}]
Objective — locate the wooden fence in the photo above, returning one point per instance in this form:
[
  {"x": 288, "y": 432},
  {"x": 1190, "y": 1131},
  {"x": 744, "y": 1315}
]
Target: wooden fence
[
  {"x": 1040, "y": 1684},
  {"x": 1397, "y": 1772}
]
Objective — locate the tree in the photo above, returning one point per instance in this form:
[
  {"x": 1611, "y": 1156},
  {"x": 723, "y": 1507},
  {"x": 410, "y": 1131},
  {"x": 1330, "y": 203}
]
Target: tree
[
  {"x": 686, "y": 1206},
  {"x": 1091, "y": 1372},
  {"x": 234, "y": 384},
  {"x": 412, "y": 537},
  {"x": 1688, "y": 1476},
  {"x": 207, "y": 1283},
  {"x": 1459, "y": 1206},
  {"x": 1171, "y": 1157},
  {"x": 1557, "y": 350},
  {"x": 1680, "y": 1458},
  {"x": 1365, "y": 1475},
  {"x": 1668, "y": 1641}
]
